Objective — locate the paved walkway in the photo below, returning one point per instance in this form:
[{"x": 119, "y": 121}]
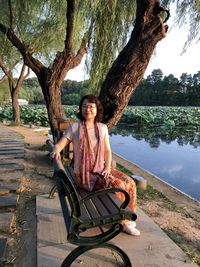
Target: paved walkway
[
  {"x": 11, "y": 167},
  {"x": 152, "y": 249}
]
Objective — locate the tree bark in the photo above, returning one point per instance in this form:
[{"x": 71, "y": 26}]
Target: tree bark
[
  {"x": 15, "y": 107},
  {"x": 129, "y": 67},
  {"x": 51, "y": 79}
]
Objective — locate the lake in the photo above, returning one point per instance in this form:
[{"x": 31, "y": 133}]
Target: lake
[{"x": 172, "y": 155}]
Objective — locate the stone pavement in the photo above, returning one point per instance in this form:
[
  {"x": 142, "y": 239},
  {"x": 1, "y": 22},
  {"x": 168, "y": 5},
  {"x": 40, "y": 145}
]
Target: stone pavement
[{"x": 11, "y": 152}]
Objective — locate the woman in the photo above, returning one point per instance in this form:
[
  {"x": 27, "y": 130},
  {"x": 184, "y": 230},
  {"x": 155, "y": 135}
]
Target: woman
[{"x": 92, "y": 155}]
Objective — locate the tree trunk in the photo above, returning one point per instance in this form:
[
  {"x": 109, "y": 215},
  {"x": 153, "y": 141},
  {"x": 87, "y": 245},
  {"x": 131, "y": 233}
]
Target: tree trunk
[
  {"x": 15, "y": 107},
  {"x": 50, "y": 85},
  {"x": 51, "y": 79},
  {"x": 129, "y": 67},
  {"x": 14, "y": 92}
]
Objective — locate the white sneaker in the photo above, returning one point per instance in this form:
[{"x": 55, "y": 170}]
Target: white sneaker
[{"x": 129, "y": 228}]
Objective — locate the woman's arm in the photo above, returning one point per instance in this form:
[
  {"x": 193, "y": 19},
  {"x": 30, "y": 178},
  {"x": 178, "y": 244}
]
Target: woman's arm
[
  {"x": 59, "y": 147},
  {"x": 65, "y": 140},
  {"x": 107, "y": 157}
]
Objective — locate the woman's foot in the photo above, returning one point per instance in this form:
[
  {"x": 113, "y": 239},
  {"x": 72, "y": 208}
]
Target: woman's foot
[{"x": 129, "y": 228}]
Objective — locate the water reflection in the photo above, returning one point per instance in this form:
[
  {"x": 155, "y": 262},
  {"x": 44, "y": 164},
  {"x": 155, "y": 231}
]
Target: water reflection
[
  {"x": 172, "y": 155},
  {"x": 155, "y": 135}
]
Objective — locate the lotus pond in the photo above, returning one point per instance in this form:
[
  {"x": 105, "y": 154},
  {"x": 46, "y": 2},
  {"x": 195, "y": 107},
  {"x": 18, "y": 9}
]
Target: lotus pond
[
  {"x": 173, "y": 155},
  {"x": 142, "y": 116}
]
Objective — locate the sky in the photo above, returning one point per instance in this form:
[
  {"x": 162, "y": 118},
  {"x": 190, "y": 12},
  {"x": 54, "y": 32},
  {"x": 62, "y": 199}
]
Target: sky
[{"x": 167, "y": 56}]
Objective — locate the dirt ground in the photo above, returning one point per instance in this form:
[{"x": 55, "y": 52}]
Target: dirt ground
[{"x": 179, "y": 220}]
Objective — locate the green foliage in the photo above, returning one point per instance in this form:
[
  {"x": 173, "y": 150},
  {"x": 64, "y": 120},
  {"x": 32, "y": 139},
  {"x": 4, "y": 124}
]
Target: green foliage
[
  {"x": 35, "y": 115},
  {"x": 71, "y": 99},
  {"x": 29, "y": 114},
  {"x": 111, "y": 22},
  {"x": 32, "y": 91},
  {"x": 39, "y": 24},
  {"x": 168, "y": 117},
  {"x": 150, "y": 193},
  {"x": 123, "y": 169},
  {"x": 157, "y": 90},
  {"x": 4, "y": 92},
  {"x": 189, "y": 11},
  {"x": 71, "y": 111},
  {"x": 72, "y": 91}
]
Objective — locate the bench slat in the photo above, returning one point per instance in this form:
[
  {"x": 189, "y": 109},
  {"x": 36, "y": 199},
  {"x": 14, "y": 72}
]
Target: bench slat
[
  {"x": 94, "y": 213},
  {"x": 117, "y": 201},
  {"x": 85, "y": 215},
  {"x": 100, "y": 206},
  {"x": 109, "y": 204}
]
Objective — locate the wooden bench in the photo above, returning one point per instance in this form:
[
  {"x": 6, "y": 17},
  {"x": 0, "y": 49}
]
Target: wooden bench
[{"x": 84, "y": 210}]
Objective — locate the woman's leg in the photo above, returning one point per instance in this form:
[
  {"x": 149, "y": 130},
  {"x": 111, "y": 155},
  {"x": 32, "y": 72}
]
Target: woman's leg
[{"x": 127, "y": 183}]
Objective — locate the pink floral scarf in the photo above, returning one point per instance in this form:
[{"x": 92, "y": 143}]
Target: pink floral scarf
[{"x": 90, "y": 163}]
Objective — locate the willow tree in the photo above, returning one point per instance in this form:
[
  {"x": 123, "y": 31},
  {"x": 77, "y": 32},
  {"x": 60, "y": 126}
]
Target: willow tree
[
  {"x": 42, "y": 42},
  {"x": 8, "y": 62},
  {"x": 100, "y": 29}
]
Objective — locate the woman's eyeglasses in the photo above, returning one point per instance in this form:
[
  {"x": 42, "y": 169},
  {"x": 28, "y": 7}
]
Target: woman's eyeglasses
[{"x": 88, "y": 107}]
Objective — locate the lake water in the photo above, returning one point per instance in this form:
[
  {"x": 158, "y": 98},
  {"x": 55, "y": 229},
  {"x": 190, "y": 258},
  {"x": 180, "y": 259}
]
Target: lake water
[{"x": 173, "y": 156}]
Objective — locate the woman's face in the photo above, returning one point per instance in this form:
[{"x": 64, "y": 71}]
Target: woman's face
[{"x": 88, "y": 110}]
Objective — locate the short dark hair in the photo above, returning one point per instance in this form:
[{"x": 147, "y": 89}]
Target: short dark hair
[{"x": 95, "y": 100}]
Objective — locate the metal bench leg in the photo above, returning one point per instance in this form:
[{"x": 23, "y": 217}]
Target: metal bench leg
[{"x": 81, "y": 249}]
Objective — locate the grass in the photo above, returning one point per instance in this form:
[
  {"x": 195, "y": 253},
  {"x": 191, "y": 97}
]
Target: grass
[
  {"x": 150, "y": 193},
  {"x": 122, "y": 169}
]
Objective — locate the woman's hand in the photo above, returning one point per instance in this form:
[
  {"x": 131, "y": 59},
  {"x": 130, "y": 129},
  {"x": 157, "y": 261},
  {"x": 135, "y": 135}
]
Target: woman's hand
[
  {"x": 106, "y": 172},
  {"x": 55, "y": 154}
]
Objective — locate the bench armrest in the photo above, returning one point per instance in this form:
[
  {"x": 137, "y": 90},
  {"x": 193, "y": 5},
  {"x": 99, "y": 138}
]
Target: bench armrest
[{"x": 106, "y": 191}]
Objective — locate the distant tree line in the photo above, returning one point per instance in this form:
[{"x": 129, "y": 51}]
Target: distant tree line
[
  {"x": 160, "y": 90},
  {"x": 72, "y": 91},
  {"x": 155, "y": 90}
]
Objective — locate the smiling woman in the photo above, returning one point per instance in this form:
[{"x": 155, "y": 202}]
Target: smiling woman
[{"x": 92, "y": 156}]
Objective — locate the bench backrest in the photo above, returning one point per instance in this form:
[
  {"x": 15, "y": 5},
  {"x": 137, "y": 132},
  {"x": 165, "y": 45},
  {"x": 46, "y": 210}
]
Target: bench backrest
[{"x": 66, "y": 186}]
